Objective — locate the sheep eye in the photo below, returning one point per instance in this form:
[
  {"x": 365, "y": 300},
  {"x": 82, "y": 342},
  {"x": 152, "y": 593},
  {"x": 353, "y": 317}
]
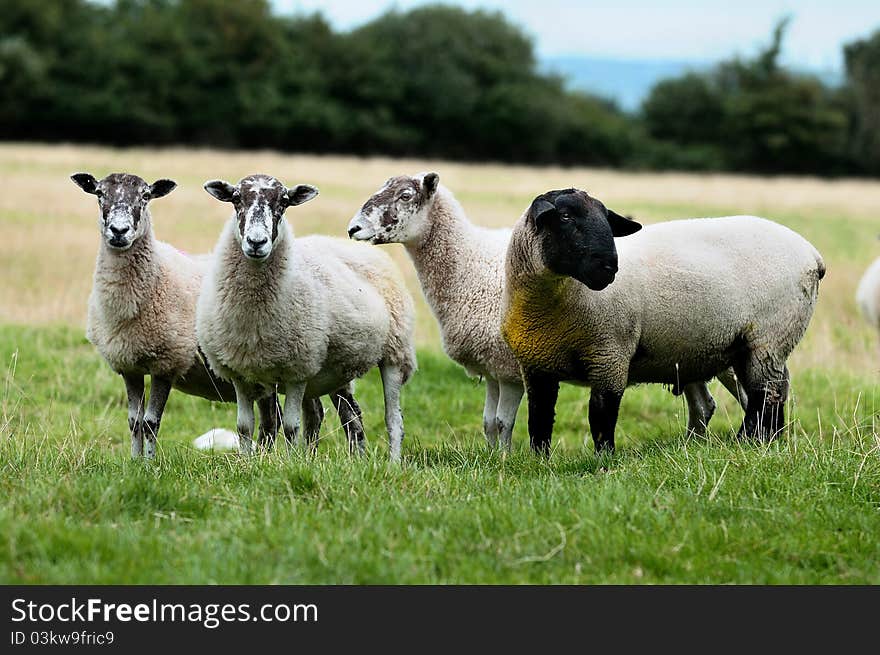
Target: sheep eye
[
  {"x": 406, "y": 196},
  {"x": 145, "y": 195},
  {"x": 565, "y": 217},
  {"x": 236, "y": 196}
]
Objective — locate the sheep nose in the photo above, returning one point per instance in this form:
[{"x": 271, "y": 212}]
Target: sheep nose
[
  {"x": 353, "y": 230},
  {"x": 611, "y": 267},
  {"x": 119, "y": 231},
  {"x": 257, "y": 243}
]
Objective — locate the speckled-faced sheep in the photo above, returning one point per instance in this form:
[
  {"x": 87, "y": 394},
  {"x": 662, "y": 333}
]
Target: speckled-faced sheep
[
  {"x": 461, "y": 271},
  {"x": 142, "y": 308},
  {"x": 690, "y": 299},
  {"x": 868, "y": 294},
  {"x": 309, "y": 314}
]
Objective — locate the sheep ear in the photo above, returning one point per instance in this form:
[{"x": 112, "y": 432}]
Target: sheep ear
[
  {"x": 541, "y": 211},
  {"x": 161, "y": 188},
  {"x": 220, "y": 189},
  {"x": 299, "y": 194},
  {"x": 86, "y": 182},
  {"x": 429, "y": 183},
  {"x": 622, "y": 226}
]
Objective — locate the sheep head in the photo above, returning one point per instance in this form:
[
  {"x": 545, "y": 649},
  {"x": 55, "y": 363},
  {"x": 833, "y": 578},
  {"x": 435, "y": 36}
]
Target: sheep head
[
  {"x": 123, "y": 200},
  {"x": 397, "y": 212},
  {"x": 575, "y": 235},
  {"x": 260, "y": 202}
]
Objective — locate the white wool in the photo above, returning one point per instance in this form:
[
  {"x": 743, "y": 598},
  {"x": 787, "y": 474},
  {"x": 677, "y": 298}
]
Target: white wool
[
  {"x": 141, "y": 312},
  {"x": 868, "y": 294},
  {"x": 685, "y": 291},
  {"x": 320, "y": 310},
  {"x": 461, "y": 272},
  {"x": 217, "y": 439}
]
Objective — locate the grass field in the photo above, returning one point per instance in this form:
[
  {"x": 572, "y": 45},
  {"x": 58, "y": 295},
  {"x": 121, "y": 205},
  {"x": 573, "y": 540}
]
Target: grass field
[{"x": 666, "y": 509}]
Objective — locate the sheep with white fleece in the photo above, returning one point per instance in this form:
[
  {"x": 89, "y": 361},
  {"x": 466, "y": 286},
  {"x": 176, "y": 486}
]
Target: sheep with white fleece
[
  {"x": 868, "y": 294},
  {"x": 675, "y": 303},
  {"x": 142, "y": 308},
  {"x": 461, "y": 271},
  {"x": 308, "y": 314}
]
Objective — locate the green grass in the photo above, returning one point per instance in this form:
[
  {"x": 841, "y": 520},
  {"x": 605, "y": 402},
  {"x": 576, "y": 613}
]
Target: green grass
[{"x": 665, "y": 509}]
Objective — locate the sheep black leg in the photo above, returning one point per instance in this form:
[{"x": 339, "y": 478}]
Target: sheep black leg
[
  {"x": 313, "y": 417},
  {"x": 270, "y": 414},
  {"x": 604, "y": 406},
  {"x": 159, "y": 389},
  {"x": 542, "y": 390},
  {"x": 351, "y": 418},
  {"x": 765, "y": 417},
  {"x": 765, "y": 410},
  {"x": 134, "y": 389}
]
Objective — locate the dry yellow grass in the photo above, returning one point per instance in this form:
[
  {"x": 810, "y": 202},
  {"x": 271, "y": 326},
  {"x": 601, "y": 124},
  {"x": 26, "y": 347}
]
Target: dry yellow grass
[{"x": 49, "y": 239}]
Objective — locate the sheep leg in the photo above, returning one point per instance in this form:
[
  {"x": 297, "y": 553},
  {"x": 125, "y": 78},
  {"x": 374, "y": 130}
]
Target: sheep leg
[
  {"x": 767, "y": 389},
  {"x": 351, "y": 418},
  {"x": 604, "y": 407},
  {"x": 701, "y": 406},
  {"x": 245, "y": 419},
  {"x": 490, "y": 409},
  {"x": 728, "y": 378},
  {"x": 542, "y": 390},
  {"x": 160, "y": 387},
  {"x": 291, "y": 417},
  {"x": 269, "y": 419},
  {"x": 134, "y": 389},
  {"x": 392, "y": 381},
  {"x": 508, "y": 405},
  {"x": 313, "y": 416}
]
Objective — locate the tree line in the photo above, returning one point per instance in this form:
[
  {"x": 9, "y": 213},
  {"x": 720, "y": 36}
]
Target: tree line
[{"x": 436, "y": 81}]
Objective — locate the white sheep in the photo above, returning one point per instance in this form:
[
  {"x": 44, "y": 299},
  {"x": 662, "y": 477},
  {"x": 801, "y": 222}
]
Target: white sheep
[
  {"x": 868, "y": 294},
  {"x": 691, "y": 298},
  {"x": 141, "y": 314},
  {"x": 309, "y": 314},
  {"x": 461, "y": 271}
]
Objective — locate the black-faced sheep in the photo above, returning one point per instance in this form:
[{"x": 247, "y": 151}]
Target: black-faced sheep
[{"x": 675, "y": 303}]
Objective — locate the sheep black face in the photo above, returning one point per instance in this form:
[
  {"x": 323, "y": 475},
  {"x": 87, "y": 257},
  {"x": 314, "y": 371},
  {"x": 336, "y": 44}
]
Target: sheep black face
[
  {"x": 123, "y": 200},
  {"x": 396, "y": 213},
  {"x": 259, "y": 202},
  {"x": 576, "y": 235}
]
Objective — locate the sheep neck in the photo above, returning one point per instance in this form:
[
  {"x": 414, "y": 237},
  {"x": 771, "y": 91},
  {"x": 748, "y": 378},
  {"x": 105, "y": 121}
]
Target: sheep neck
[
  {"x": 537, "y": 308},
  {"x": 124, "y": 280},
  {"x": 443, "y": 253},
  {"x": 259, "y": 282}
]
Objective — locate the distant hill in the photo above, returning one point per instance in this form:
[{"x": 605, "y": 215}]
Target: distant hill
[{"x": 628, "y": 81}]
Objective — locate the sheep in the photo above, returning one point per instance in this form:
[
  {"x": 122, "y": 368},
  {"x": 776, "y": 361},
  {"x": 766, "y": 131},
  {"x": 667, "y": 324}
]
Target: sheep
[
  {"x": 461, "y": 271},
  {"x": 868, "y": 294},
  {"x": 309, "y": 314},
  {"x": 141, "y": 311},
  {"x": 690, "y": 299}
]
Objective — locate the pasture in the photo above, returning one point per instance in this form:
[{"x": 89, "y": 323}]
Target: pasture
[{"x": 664, "y": 509}]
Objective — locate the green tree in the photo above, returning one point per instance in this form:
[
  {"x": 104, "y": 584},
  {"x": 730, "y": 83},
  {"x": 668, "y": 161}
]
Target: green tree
[
  {"x": 863, "y": 91},
  {"x": 751, "y": 115}
]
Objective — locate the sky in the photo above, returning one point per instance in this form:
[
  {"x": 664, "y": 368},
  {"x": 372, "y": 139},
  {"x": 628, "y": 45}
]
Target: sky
[{"x": 683, "y": 30}]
